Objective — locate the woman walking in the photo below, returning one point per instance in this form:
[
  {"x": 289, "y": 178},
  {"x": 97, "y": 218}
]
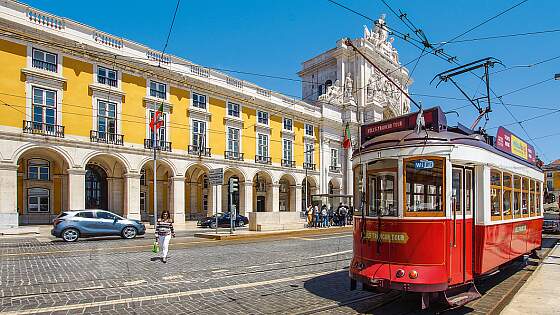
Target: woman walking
[{"x": 164, "y": 232}]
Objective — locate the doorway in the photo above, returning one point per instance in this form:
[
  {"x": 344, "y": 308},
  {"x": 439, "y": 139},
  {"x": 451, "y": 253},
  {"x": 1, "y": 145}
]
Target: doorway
[
  {"x": 261, "y": 203},
  {"x": 96, "y": 187}
]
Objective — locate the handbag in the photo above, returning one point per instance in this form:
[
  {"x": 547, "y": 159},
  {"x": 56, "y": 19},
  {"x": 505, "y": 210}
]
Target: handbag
[{"x": 155, "y": 248}]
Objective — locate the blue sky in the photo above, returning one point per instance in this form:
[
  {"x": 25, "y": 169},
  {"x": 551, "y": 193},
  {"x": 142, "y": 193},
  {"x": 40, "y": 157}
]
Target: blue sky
[{"x": 274, "y": 37}]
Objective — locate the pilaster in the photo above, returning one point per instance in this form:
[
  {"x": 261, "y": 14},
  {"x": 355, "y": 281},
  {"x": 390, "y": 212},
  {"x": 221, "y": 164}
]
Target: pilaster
[
  {"x": 8, "y": 196},
  {"x": 76, "y": 189}
]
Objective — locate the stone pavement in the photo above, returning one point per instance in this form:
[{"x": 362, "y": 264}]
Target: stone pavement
[{"x": 540, "y": 295}]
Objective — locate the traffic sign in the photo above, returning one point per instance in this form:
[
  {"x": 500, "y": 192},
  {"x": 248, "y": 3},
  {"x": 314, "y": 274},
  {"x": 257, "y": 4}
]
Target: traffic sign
[{"x": 216, "y": 176}]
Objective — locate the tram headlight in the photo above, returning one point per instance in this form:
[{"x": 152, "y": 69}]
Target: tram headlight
[
  {"x": 413, "y": 274},
  {"x": 400, "y": 273}
]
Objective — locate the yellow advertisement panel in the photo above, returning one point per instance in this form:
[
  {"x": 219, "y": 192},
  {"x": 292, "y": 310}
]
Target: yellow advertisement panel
[{"x": 518, "y": 147}]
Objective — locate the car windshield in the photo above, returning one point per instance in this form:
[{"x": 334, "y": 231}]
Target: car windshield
[{"x": 63, "y": 214}]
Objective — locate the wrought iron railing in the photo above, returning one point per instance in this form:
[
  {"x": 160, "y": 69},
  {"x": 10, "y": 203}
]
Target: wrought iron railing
[
  {"x": 108, "y": 81},
  {"x": 233, "y": 155},
  {"x": 334, "y": 168},
  {"x": 40, "y": 128},
  {"x": 200, "y": 151},
  {"x": 309, "y": 166},
  {"x": 106, "y": 137},
  {"x": 40, "y": 64},
  {"x": 160, "y": 145},
  {"x": 288, "y": 163},
  {"x": 263, "y": 159}
]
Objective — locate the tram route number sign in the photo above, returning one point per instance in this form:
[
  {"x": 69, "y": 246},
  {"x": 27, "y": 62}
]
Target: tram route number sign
[
  {"x": 216, "y": 176},
  {"x": 423, "y": 164}
]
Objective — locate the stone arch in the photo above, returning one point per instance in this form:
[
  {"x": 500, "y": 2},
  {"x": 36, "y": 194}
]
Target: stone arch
[
  {"x": 199, "y": 194},
  {"x": 163, "y": 161},
  {"x": 237, "y": 198},
  {"x": 31, "y": 146},
  {"x": 309, "y": 187},
  {"x": 116, "y": 169},
  {"x": 287, "y": 193},
  {"x": 115, "y": 155},
  {"x": 263, "y": 182},
  {"x": 165, "y": 173}
]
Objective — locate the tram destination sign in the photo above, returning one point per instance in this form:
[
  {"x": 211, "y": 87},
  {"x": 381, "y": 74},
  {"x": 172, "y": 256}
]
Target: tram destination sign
[
  {"x": 434, "y": 119},
  {"x": 509, "y": 143}
]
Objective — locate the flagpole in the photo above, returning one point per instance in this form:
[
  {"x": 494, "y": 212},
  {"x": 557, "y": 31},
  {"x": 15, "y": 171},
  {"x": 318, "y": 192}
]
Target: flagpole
[{"x": 154, "y": 143}]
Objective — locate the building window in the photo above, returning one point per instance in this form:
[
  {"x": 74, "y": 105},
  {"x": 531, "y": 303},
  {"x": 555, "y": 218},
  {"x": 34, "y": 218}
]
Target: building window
[
  {"x": 287, "y": 150},
  {"x": 424, "y": 187},
  {"x": 44, "y": 107},
  {"x": 38, "y": 169},
  {"x": 308, "y": 130},
  {"x": 44, "y": 60},
  {"x": 334, "y": 157},
  {"x": 199, "y": 134},
  {"x": 262, "y": 145},
  {"x": 107, "y": 76},
  {"x": 262, "y": 117},
  {"x": 288, "y": 124},
  {"x": 199, "y": 101},
  {"x": 549, "y": 185},
  {"x": 309, "y": 153},
  {"x": 548, "y": 174},
  {"x": 143, "y": 177},
  {"x": 106, "y": 118},
  {"x": 233, "y": 109},
  {"x": 38, "y": 200},
  {"x": 161, "y": 132},
  {"x": 158, "y": 90},
  {"x": 233, "y": 140}
]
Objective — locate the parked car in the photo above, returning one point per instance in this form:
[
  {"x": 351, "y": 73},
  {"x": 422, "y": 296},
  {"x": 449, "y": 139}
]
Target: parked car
[
  {"x": 223, "y": 221},
  {"x": 71, "y": 225},
  {"x": 551, "y": 222}
]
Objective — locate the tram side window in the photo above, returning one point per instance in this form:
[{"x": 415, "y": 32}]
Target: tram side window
[
  {"x": 538, "y": 197},
  {"x": 516, "y": 196},
  {"x": 532, "y": 201},
  {"x": 457, "y": 191},
  {"x": 507, "y": 186},
  {"x": 424, "y": 187},
  {"x": 382, "y": 195},
  {"x": 468, "y": 192},
  {"x": 525, "y": 197},
  {"x": 496, "y": 194}
]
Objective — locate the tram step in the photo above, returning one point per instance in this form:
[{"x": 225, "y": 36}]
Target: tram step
[{"x": 461, "y": 295}]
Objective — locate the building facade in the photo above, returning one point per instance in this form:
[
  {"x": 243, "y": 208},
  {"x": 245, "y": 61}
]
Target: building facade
[
  {"x": 552, "y": 176},
  {"x": 75, "y": 106}
]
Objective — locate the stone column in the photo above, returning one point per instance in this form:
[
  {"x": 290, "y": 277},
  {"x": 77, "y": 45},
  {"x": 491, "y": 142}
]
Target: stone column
[
  {"x": 178, "y": 200},
  {"x": 246, "y": 197},
  {"x": 8, "y": 196},
  {"x": 275, "y": 197},
  {"x": 132, "y": 196},
  {"x": 297, "y": 198},
  {"x": 76, "y": 189}
]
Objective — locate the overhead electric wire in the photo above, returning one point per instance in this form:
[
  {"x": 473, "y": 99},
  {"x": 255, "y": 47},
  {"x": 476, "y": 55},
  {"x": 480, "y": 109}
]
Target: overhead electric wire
[
  {"x": 526, "y": 87},
  {"x": 527, "y": 66},
  {"x": 171, "y": 27},
  {"x": 503, "y": 36}
]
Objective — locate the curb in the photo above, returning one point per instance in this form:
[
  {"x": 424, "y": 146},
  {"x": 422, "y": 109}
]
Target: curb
[{"x": 257, "y": 235}]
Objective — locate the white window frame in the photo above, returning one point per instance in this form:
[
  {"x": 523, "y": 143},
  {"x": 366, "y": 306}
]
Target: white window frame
[
  {"x": 39, "y": 198},
  {"x": 230, "y": 140},
  {"x": 158, "y": 84},
  {"x": 43, "y": 166},
  {"x": 117, "y": 76},
  {"x": 266, "y": 137},
  {"x": 309, "y": 127},
  {"x": 45, "y": 52},
  {"x": 334, "y": 157},
  {"x": 198, "y": 96},
  {"x": 233, "y": 104},
  {"x": 291, "y": 124},
  {"x": 107, "y": 118},
  {"x": 165, "y": 117},
  {"x": 194, "y": 138},
  {"x": 308, "y": 156},
  {"x": 44, "y": 105},
  {"x": 288, "y": 156},
  {"x": 261, "y": 116}
]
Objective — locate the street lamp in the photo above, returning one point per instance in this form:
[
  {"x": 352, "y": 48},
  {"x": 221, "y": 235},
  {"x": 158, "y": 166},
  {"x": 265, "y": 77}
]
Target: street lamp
[
  {"x": 306, "y": 180},
  {"x": 557, "y": 76}
]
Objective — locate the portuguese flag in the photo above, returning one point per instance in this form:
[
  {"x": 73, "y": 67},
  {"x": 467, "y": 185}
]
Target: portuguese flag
[
  {"x": 157, "y": 122},
  {"x": 346, "y": 143}
]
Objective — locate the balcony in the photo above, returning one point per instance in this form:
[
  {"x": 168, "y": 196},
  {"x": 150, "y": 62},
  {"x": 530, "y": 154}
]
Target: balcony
[
  {"x": 309, "y": 166},
  {"x": 40, "y": 64},
  {"x": 334, "y": 168},
  {"x": 233, "y": 155},
  {"x": 263, "y": 159},
  {"x": 105, "y": 137},
  {"x": 200, "y": 151},
  {"x": 39, "y": 128},
  {"x": 109, "y": 82},
  {"x": 162, "y": 146},
  {"x": 288, "y": 163}
]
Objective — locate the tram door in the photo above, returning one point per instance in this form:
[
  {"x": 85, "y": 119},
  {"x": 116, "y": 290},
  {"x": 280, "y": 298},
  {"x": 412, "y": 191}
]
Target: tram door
[{"x": 462, "y": 200}]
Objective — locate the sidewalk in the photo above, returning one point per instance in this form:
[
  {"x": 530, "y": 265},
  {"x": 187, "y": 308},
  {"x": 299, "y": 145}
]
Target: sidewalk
[{"x": 540, "y": 295}]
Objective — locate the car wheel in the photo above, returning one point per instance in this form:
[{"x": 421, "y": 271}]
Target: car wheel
[
  {"x": 213, "y": 225},
  {"x": 241, "y": 223},
  {"x": 129, "y": 232},
  {"x": 70, "y": 235}
]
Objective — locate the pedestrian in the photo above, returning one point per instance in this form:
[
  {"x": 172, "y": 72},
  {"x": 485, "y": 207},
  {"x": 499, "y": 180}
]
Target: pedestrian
[
  {"x": 309, "y": 216},
  {"x": 331, "y": 216},
  {"x": 325, "y": 216},
  {"x": 316, "y": 215},
  {"x": 164, "y": 232},
  {"x": 343, "y": 212}
]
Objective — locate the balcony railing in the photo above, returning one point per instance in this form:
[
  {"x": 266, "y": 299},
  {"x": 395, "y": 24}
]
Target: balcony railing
[
  {"x": 263, "y": 159},
  {"x": 288, "y": 163},
  {"x": 158, "y": 94},
  {"x": 40, "y": 64},
  {"x": 44, "y": 129},
  {"x": 108, "y": 81},
  {"x": 309, "y": 166},
  {"x": 200, "y": 151},
  {"x": 334, "y": 168},
  {"x": 160, "y": 145},
  {"x": 105, "y": 137},
  {"x": 233, "y": 155}
]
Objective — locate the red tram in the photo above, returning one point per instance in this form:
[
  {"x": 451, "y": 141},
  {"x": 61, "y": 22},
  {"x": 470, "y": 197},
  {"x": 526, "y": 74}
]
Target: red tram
[{"x": 438, "y": 208}]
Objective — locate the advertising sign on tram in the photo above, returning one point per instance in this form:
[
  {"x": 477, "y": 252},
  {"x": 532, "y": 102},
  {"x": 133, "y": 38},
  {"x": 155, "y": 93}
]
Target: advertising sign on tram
[
  {"x": 423, "y": 164},
  {"x": 507, "y": 142}
]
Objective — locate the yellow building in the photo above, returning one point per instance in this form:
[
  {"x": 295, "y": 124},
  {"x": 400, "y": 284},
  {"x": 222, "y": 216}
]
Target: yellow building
[
  {"x": 75, "y": 104},
  {"x": 552, "y": 176}
]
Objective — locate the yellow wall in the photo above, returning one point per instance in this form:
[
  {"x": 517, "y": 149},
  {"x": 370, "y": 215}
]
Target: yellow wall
[
  {"x": 77, "y": 101},
  {"x": 12, "y": 81},
  {"x": 275, "y": 138},
  {"x": 556, "y": 180},
  {"x": 216, "y": 129},
  {"x": 133, "y": 110},
  {"x": 299, "y": 146},
  {"x": 316, "y": 158},
  {"x": 248, "y": 135},
  {"x": 179, "y": 125},
  {"x": 56, "y": 205}
]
